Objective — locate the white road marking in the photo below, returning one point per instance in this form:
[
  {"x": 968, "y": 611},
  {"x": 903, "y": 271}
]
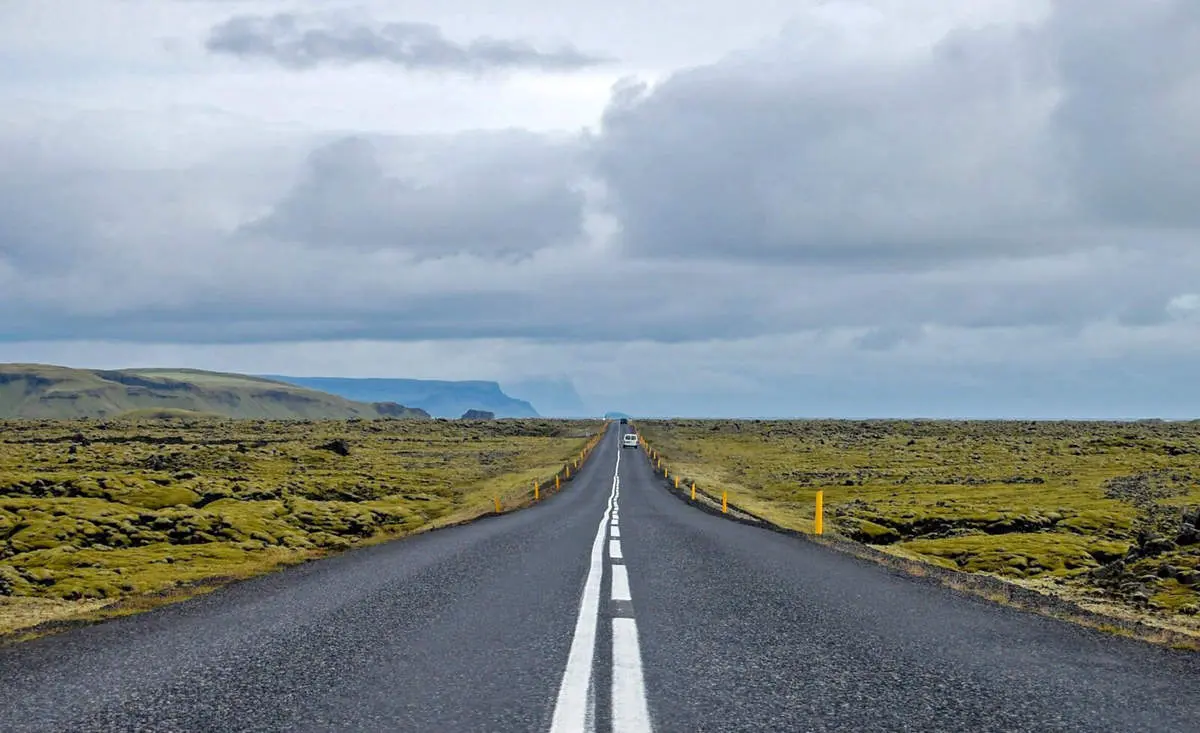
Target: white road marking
[
  {"x": 630, "y": 713},
  {"x": 620, "y": 583},
  {"x": 630, "y": 710},
  {"x": 573, "y": 709}
]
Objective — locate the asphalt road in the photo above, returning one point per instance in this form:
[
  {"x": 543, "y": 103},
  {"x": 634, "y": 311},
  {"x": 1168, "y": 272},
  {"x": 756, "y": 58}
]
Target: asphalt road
[{"x": 611, "y": 606}]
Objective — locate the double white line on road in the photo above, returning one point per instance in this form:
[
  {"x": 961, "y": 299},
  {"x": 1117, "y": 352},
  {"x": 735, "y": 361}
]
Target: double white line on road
[{"x": 574, "y": 711}]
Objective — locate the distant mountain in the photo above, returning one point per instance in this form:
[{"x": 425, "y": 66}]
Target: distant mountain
[
  {"x": 438, "y": 398},
  {"x": 553, "y": 397},
  {"x": 478, "y": 415},
  {"x": 616, "y": 416},
  {"x": 45, "y": 391}
]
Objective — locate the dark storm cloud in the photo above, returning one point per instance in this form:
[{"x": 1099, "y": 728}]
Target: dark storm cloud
[
  {"x": 513, "y": 194},
  {"x": 304, "y": 42}
]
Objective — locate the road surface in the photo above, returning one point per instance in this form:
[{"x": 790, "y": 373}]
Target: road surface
[{"x": 611, "y": 606}]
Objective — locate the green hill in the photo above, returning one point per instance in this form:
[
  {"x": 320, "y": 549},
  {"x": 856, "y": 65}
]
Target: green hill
[{"x": 44, "y": 391}]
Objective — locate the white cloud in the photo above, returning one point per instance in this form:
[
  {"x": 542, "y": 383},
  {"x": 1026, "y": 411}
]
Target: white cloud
[{"x": 1184, "y": 306}]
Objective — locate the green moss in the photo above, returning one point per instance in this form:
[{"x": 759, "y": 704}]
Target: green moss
[
  {"x": 867, "y": 531},
  {"x": 1020, "y": 555},
  {"x": 1111, "y": 523},
  {"x": 1175, "y": 596},
  {"x": 79, "y": 574},
  {"x": 13, "y": 583},
  {"x": 157, "y": 497},
  {"x": 8, "y": 521}
]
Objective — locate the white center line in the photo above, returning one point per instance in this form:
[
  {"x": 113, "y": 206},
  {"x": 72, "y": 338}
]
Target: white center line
[
  {"x": 630, "y": 709},
  {"x": 573, "y": 709},
  {"x": 620, "y": 584},
  {"x": 630, "y": 713}
]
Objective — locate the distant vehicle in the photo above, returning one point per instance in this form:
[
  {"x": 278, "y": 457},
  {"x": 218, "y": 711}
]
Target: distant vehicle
[
  {"x": 624, "y": 421},
  {"x": 629, "y": 440}
]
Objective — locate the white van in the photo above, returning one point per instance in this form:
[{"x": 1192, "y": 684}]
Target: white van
[{"x": 629, "y": 440}]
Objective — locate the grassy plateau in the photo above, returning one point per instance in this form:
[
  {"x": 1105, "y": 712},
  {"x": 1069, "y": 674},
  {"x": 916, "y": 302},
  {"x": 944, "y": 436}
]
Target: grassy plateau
[
  {"x": 1106, "y": 514},
  {"x": 105, "y": 517},
  {"x": 43, "y": 391}
]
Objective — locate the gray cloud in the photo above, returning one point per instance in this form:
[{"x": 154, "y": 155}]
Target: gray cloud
[
  {"x": 1003, "y": 141},
  {"x": 784, "y": 156},
  {"x": 779, "y": 192},
  {"x": 307, "y": 41},
  {"x": 34, "y": 235},
  {"x": 502, "y": 195},
  {"x": 1128, "y": 124}
]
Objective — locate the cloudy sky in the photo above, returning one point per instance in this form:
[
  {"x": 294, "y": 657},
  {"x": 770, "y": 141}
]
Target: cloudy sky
[{"x": 750, "y": 207}]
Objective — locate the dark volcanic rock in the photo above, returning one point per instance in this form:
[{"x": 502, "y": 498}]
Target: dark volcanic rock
[
  {"x": 339, "y": 446},
  {"x": 478, "y": 415}
]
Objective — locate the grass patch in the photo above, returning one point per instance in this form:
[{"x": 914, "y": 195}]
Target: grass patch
[{"x": 95, "y": 515}]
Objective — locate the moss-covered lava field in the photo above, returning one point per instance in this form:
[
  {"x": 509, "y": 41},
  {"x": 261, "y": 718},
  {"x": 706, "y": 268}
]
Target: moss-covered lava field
[
  {"x": 1104, "y": 513},
  {"x": 104, "y": 517}
]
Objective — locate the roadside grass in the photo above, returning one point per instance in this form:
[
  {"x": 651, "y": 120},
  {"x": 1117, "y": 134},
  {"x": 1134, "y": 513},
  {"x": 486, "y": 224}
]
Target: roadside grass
[
  {"x": 101, "y": 518},
  {"x": 1098, "y": 511}
]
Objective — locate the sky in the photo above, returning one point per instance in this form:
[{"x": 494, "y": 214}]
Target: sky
[{"x": 760, "y": 208}]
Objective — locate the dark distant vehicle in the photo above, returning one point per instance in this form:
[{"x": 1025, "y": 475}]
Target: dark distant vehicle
[{"x": 624, "y": 421}]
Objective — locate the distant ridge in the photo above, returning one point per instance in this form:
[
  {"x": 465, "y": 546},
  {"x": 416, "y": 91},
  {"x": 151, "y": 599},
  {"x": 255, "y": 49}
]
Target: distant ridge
[
  {"x": 552, "y": 396},
  {"x": 57, "y": 392},
  {"x": 437, "y": 397}
]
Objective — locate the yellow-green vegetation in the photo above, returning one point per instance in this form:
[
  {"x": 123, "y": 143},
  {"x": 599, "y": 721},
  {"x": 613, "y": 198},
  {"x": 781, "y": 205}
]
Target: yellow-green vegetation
[
  {"x": 1106, "y": 511},
  {"x": 93, "y": 512},
  {"x": 46, "y": 391}
]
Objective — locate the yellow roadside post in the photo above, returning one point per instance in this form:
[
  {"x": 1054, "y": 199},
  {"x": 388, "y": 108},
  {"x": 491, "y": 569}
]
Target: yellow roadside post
[
  {"x": 819, "y": 519},
  {"x": 724, "y": 502},
  {"x": 677, "y": 482},
  {"x": 537, "y": 493},
  {"x": 568, "y": 472},
  {"x": 557, "y": 485},
  {"x": 693, "y": 491},
  {"x": 497, "y": 500}
]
